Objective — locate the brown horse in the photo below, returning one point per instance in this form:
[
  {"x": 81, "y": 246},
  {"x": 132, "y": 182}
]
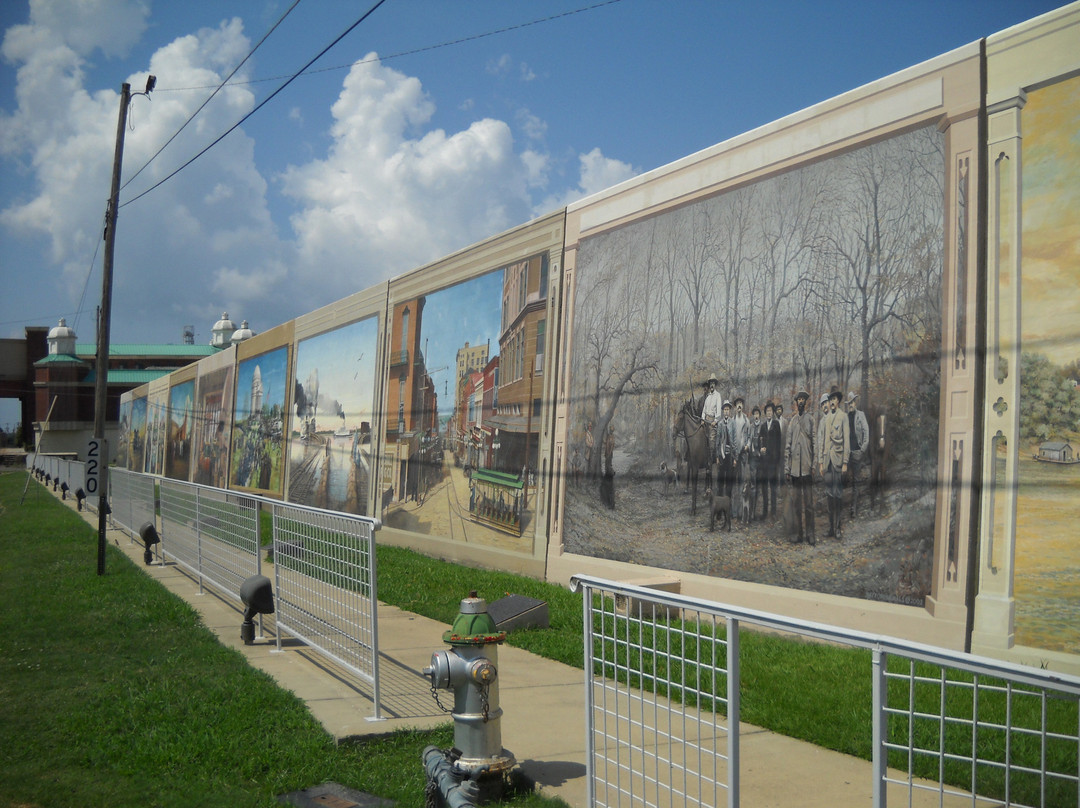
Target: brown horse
[{"x": 691, "y": 429}]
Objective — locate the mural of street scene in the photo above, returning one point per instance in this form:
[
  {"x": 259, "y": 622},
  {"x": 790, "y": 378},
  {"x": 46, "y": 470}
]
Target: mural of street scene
[
  {"x": 1046, "y": 577},
  {"x": 330, "y": 457},
  {"x": 214, "y": 402},
  {"x": 463, "y": 409},
  {"x": 180, "y": 428},
  {"x": 768, "y": 411},
  {"x": 258, "y": 423}
]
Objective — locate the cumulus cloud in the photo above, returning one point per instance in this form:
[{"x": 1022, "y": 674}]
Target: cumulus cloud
[
  {"x": 596, "y": 172},
  {"x": 393, "y": 194},
  {"x": 388, "y": 193},
  {"x": 211, "y": 215}
]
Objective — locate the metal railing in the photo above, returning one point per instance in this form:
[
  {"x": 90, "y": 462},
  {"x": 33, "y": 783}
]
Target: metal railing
[
  {"x": 325, "y": 585},
  {"x": 132, "y": 499},
  {"x": 662, "y": 710},
  {"x": 212, "y": 533},
  {"x": 324, "y": 564},
  {"x": 324, "y": 573}
]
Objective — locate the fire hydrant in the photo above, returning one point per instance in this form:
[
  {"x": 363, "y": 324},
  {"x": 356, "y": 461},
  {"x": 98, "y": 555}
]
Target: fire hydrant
[{"x": 473, "y": 771}]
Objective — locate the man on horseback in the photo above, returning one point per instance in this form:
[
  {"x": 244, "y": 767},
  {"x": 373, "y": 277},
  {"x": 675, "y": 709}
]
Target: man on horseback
[{"x": 712, "y": 410}]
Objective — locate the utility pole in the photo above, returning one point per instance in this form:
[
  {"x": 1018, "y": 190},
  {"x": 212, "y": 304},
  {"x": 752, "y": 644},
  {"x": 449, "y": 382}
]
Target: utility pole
[{"x": 101, "y": 388}]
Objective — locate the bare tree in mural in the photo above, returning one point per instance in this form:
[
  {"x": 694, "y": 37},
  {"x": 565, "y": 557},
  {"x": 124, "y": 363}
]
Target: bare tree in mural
[
  {"x": 829, "y": 274},
  {"x": 612, "y": 326}
]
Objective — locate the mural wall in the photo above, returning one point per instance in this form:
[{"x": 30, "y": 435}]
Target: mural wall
[
  {"x": 181, "y": 429},
  {"x": 829, "y": 368},
  {"x": 213, "y": 427},
  {"x": 461, "y": 447},
  {"x": 825, "y": 278},
  {"x": 258, "y": 435},
  {"x": 1028, "y": 604},
  {"x": 331, "y": 450},
  {"x": 1047, "y": 582}
]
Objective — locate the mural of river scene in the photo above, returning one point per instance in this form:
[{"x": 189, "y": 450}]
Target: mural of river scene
[
  {"x": 330, "y": 457},
  {"x": 825, "y": 278},
  {"x": 1046, "y": 578}
]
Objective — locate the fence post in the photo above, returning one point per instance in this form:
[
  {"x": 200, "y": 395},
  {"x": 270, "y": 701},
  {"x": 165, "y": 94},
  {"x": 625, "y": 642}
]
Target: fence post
[
  {"x": 590, "y": 749},
  {"x": 733, "y": 710},
  {"x": 880, "y": 755}
]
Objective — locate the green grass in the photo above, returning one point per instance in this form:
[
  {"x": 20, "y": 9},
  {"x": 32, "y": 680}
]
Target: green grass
[{"x": 113, "y": 693}]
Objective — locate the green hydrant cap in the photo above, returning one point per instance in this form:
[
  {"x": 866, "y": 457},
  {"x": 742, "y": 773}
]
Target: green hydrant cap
[{"x": 473, "y": 625}]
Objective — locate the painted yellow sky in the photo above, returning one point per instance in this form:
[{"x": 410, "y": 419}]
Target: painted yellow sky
[{"x": 1051, "y": 216}]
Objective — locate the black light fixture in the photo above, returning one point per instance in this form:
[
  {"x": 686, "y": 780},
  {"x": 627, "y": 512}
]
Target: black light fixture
[
  {"x": 148, "y": 533},
  {"x": 63, "y": 491},
  {"x": 257, "y": 593},
  {"x": 80, "y": 495}
]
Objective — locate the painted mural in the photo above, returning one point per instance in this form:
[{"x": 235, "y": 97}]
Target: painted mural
[
  {"x": 136, "y": 443},
  {"x": 330, "y": 446},
  {"x": 212, "y": 426},
  {"x": 181, "y": 427},
  {"x": 461, "y": 430},
  {"x": 157, "y": 414},
  {"x": 123, "y": 439},
  {"x": 1047, "y": 555},
  {"x": 258, "y": 440},
  {"x": 800, "y": 316}
]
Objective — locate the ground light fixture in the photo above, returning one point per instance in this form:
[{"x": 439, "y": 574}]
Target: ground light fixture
[
  {"x": 148, "y": 533},
  {"x": 257, "y": 593},
  {"x": 63, "y": 491},
  {"x": 80, "y": 495}
]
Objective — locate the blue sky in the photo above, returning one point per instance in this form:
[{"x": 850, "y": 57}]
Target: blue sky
[{"x": 371, "y": 167}]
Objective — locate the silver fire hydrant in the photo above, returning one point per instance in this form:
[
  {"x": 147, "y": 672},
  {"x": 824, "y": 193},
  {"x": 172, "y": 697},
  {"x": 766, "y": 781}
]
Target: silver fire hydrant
[{"x": 473, "y": 771}]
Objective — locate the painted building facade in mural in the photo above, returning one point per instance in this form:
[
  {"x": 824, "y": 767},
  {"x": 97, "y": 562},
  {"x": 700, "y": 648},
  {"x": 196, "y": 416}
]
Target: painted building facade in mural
[{"x": 461, "y": 423}]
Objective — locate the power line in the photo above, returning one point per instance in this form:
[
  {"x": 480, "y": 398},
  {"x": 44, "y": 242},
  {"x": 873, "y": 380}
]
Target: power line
[
  {"x": 413, "y": 52},
  {"x": 261, "y": 104},
  {"x": 213, "y": 94}
]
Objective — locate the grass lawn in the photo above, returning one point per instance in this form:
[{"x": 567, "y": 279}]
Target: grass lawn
[{"x": 112, "y": 692}]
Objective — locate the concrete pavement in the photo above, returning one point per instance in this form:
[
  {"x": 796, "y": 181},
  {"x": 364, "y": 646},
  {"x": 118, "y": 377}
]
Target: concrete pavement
[{"x": 543, "y": 702}]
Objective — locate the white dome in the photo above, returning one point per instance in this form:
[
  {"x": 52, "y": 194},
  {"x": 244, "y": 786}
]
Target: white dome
[
  {"x": 224, "y": 323},
  {"x": 61, "y": 340},
  {"x": 242, "y": 333},
  {"x": 61, "y": 331}
]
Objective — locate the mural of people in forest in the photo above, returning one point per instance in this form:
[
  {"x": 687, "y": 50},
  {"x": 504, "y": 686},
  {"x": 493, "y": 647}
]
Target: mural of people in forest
[{"x": 827, "y": 276}]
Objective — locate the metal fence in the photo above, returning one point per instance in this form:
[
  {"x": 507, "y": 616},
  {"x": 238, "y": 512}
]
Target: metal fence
[
  {"x": 325, "y": 585},
  {"x": 324, "y": 575},
  {"x": 212, "y": 533},
  {"x": 324, "y": 564},
  {"x": 61, "y": 470},
  {"x": 132, "y": 499},
  {"x": 663, "y": 683}
]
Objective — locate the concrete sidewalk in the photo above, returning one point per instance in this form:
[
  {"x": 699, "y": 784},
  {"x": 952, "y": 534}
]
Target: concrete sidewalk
[{"x": 543, "y": 703}]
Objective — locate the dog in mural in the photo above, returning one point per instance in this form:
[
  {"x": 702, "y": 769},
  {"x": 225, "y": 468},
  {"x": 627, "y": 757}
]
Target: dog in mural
[
  {"x": 719, "y": 511},
  {"x": 670, "y": 477}
]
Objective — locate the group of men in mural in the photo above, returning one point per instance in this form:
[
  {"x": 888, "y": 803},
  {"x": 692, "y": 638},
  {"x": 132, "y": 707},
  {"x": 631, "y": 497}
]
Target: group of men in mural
[{"x": 753, "y": 455}]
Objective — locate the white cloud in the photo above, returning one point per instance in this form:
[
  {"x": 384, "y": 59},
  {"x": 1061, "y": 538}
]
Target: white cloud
[
  {"x": 169, "y": 243},
  {"x": 391, "y": 194},
  {"x": 596, "y": 173}
]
